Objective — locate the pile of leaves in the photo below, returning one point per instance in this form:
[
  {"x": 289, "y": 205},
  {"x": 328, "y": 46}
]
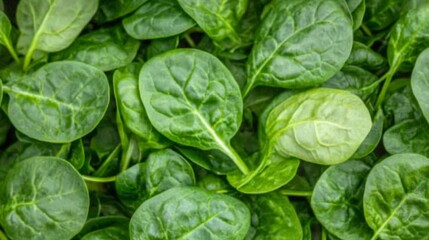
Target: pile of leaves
[{"x": 226, "y": 119}]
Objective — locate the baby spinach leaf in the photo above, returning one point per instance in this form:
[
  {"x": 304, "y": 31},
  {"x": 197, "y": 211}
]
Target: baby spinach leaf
[
  {"x": 364, "y": 57},
  {"x": 399, "y": 208},
  {"x": 409, "y": 37},
  {"x": 323, "y": 126},
  {"x": 286, "y": 54},
  {"x": 43, "y": 197},
  {"x": 409, "y": 136},
  {"x": 355, "y": 80},
  {"x": 202, "y": 215},
  {"x": 337, "y": 200},
  {"x": 401, "y": 104},
  {"x": 51, "y": 26},
  {"x": 273, "y": 172},
  {"x": 192, "y": 98},
  {"x": 162, "y": 45},
  {"x": 106, "y": 49},
  {"x": 114, "y": 9},
  {"x": 101, "y": 222},
  {"x": 373, "y": 138},
  {"x": 60, "y": 102},
  {"x": 5, "y": 30},
  {"x": 163, "y": 170},
  {"x": 420, "y": 82},
  {"x": 273, "y": 217},
  {"x": 131, "y": 109},
  {"x": 381, "y": 13},
  {"x": 157, "y": 19},
  {"x": 212, "y": 160},
  {"x": 219, "y": 19}
]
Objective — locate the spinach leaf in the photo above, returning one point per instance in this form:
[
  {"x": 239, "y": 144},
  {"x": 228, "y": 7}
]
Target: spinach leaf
[
  {"x": 202, "y": 214},
  {"x": 420, "y": 82},
  {"x": 107, "y": 49},
  {"x": 131, "y": 109},
  {"x": 402, "y": 200},
  {"x": 381, "y": 13},
  {"x": 357, "y": 9},
  {"x": 364, "y": 57},
  {"x": 51, "y": 26},
  {"x": 163, "y": 170},
  {"x": 157, "y": 19},
  {"x": 162, "y": 45},
  {"x": 192, "y": 98},
  {"x": 409, "y": 136},
  {"x": 43, "y": 197},
  {"x": 286, "y": 54},
  {"x": 323, "y": 126},
  {"x": 273, "y": 217},
  {"x": 109, "y": 233},
  {"x": 337, "y": 200},
  {"x": 5, "y": 31},
  {"x": 114, "y": 9},
  {"x": 219, "y": 19},
  {"x": 60, "y": 102}
]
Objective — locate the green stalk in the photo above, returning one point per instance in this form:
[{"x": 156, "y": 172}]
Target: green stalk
[
  {"x": 99, "y": 179},
  {"x": 388, "y": 76},
  {"x": 12, "y": 51},
  {"x": 3, "y": 236},
  {"x": 296, "y": 193}
]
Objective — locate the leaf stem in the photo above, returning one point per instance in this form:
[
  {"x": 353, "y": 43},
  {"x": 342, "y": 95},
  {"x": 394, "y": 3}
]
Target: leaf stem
[
  {"x": 296, "y": 193},
  {"x": 126, "y": 156},
  {"x": 247, "y": 90},
  {"x": 324, "y": 237},
  {"x": 366, "y": 30},
  {"x": 189, "y": 40},
  {"x": 98, "y": 179},
  {"x": 388, "y": 76},
  {"x": 28, "y": 57},
  {"x": 237, "y": 160}
]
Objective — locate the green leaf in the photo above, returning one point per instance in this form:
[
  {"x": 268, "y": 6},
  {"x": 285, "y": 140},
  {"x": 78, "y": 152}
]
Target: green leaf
[
  {"x": 60, "y": 102},
  {"x": 201, "y": 214},
  {"x": 401, "y": 104},
  {"x": 162, "y": 45},
  {"x": 409, "y": 136},
  {"x": 373, "y": 138},
  {"x": 323, "y": 126},
  {"x": 364, "y": 57},
  {"x": 114, "y": 9},
  {"x": 299, "y": 44},
  {"x": 212, "y": 160},
  {"x": 163, "y": 170},
  {"x": 273, "y": 217},
  {"x": 219, "y": 19},
  {"x": 357, "y": 9},
  {"x": 157, "y": 19},
  {"x": 337, "y": 200},
  {"x": 51, "y": 26},
  {"x": 131, "y": 109},
  {"x": 94, "y": 224},
  {"x": 355, "y": 80},
  {"x": 409, "y": 37},
  {"x": 5, "y": 38},
  {"x": 395, "y": 198},
  {"x": 192, "y": 98},
  {"x": 109, "y": 233},
  {"x": 420, "y": 82},
  {"x": 43, "y": 197},
  {"x": 105, "y": 49},
  {"x": 382, "y": 13},
  {"x": 4, "y": 127}
]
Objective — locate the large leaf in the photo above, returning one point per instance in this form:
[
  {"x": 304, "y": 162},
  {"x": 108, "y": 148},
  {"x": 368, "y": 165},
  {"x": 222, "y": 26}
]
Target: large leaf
[
  {"x": 323, "y": 126},
  {"x": 192, "y": 98},
  {"x": 219, "y": 19},
  {"x": 201, "y": 214},
  {"x": 60, "y": 102},
  {"x": 299, "y": 44},
  {"x": 395, "y": 199},
  {"x": 106, "y": 49},
  {"x": 337, "y": 200},
  {"x": 157, "y": 19},
  {"x": 5, "y": 30},
  {"x": 114, "y": 9},
  {"x": 51, "y": 26},
  {"x": 43, "y": 198}
]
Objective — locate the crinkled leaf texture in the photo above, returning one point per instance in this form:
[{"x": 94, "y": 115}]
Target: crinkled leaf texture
[
  {"x": 43, "y": 198},
  {"x": 190, "y": 213},
  {"x": 60, "y": 102},
  {"x": 321, "y": 125},
  {"x": 395, "y": 199}
]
